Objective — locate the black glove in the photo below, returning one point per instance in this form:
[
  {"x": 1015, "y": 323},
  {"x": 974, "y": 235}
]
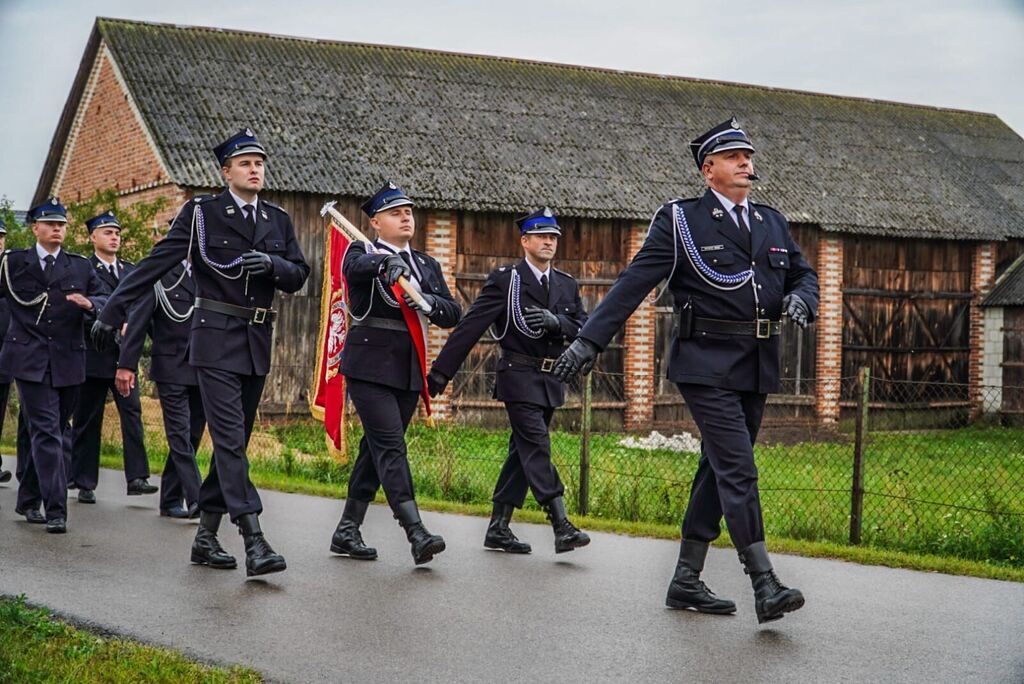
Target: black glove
[
  {"x": 578, "y": 358},
  {"x": 102, "y": 336},
  {"x": 436, "y": 382},
  {"x": 796, "y": 309},
  {"x": 429, "y": 299},
  {"x": 257, "y": 263},
  {"x": 393, "y": 268},
  {"x": 542, "y": 319}
]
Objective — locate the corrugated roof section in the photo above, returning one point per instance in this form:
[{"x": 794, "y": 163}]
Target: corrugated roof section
[
  {"x": 490, "y": 134},
  {"x": 1009, "y": 289}
]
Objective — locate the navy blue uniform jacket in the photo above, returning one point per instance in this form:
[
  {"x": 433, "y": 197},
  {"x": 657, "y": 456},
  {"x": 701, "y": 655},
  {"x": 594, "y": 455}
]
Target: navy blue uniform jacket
[
  {"x": 218, "y": 340},
  {"x": 104, "y": 364},
  {"x": 518, "y": 381},
  {"x": 168, "y": 354},
  {"x": 387, "y": 357},
  {"x": 57, "y": 342},
  {"x": 735, "y": 362}
]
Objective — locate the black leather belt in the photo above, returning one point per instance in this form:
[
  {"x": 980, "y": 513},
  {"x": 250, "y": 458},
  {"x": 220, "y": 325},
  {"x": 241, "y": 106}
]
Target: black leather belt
[
  {"x": 255, "y": 315},
  {"x": 762, "y": 328},
  {"x": 541, "y": 364},
  {"x": 383, "y": 323}
]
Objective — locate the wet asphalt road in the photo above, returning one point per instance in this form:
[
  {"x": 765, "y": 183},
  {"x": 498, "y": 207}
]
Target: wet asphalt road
[{"x": 595, "y": 614}]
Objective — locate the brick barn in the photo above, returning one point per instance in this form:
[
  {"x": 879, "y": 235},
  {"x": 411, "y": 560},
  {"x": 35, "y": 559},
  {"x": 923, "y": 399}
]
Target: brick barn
[{"x": 907, "y": 212}]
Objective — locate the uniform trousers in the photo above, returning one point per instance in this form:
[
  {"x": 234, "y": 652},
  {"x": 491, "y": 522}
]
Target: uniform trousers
[
  {"x": 43, "y": 479},
  {"x": 385, "y": 413},
  {"x": 230, "y": 401},
  {"x": 726, "y": 479},
  {"x": 184, "y": 422},
  {"x": 528, "y": 463},
  {"x": 88, "y": 429}
]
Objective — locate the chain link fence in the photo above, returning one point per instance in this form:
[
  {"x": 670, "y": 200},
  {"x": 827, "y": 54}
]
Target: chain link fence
[{"x": 911, "y": 466}]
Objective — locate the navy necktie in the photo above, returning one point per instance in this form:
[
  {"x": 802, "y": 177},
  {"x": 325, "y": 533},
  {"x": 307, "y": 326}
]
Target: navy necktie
[
  {"x": 48, "y": 269},
  {"x": 744, "y": 228}
]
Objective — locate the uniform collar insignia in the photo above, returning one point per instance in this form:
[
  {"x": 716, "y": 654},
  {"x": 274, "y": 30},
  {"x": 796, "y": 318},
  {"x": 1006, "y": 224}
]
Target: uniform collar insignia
[
  {"x": 717, "y": 213},
  {"x": 263, "y": 213},
  {"x": 230, "y": 211},
  {"x": 758, "y": 216}
]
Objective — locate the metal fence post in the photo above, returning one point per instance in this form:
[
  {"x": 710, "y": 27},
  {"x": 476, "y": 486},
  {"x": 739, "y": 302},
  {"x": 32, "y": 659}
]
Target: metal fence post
[
  {"x": 857, "y": 492},
  {"x": 584, "y": 501}
]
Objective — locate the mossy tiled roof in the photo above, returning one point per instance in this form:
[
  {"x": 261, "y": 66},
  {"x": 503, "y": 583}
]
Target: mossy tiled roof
[{"x": 493, "y": 134}]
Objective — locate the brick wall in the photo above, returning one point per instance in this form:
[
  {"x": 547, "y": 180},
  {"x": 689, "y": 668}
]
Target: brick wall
[
  {"x": 829, "y": 357},
  {"x": 983, "y": 273},
  {"x": 441, "y": 243},
  {"x": 638, "y": 361},
  {"x": 107, "y": 146}
]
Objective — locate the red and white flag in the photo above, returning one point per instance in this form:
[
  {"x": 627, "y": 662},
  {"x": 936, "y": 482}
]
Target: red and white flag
[{"x": 327, "y": 401}]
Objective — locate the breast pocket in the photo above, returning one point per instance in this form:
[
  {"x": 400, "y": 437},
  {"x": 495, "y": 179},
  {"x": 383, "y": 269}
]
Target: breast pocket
[
  {"x": 272, "y": 246},
  {"x": 224, "y": 248},
  {"x": 72, "y": 285},
  {"x": 778, "y": 260},
  {"x": 720, "y": 259}
]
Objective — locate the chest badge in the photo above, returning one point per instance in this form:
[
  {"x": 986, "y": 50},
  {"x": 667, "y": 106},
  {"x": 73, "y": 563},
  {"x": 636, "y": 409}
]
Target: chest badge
[
  {"x": 711, "y": 248},
  {"x": 717, "y": 213}
]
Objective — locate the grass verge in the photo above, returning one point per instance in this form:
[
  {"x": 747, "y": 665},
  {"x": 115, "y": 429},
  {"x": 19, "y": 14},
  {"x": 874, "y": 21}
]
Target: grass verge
[{"x": 37, "y": 647}]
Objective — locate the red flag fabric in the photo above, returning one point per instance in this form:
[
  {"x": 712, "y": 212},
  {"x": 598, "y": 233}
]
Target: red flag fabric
[
  {"x": 419, "y": 341},
  {"x": 328, "y": 396}
]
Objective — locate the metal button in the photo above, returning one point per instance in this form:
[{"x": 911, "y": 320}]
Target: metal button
[
  {"x": 759, "y": 286},
  {"x": 753, "y": 263}
]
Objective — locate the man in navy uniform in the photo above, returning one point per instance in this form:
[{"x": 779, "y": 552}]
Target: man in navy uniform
[
  {"x": 737, "y": 273},
  {"x": 383, "y": 370},
  {"x": 537, "y": 308},
  {"x": 5, "y": 380},
  {"x": 242, "y": 250},
  {"x": 100, "y": 366},
  {"x": 51, "y": 293},
  {"x": 165, "y": 313}
]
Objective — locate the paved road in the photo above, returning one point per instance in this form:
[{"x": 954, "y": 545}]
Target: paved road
[{"x": 595, "y": 614}]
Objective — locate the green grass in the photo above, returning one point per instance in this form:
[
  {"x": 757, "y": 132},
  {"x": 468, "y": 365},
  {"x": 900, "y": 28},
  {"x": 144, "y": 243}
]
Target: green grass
[{"x": 36, "y": 648}]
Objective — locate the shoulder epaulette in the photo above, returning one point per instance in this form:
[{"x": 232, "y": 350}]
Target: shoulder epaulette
[
  {"x": 273, "y": 206},
  {"x": 202, "y": 199},
  {"x": 567, "y": 275},
  {"x": 80, "y": 256},
  {"x": 503, "y": 269}
]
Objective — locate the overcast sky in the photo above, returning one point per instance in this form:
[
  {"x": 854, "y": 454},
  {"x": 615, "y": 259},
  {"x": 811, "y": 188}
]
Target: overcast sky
[{"x": 966, "y": 54}]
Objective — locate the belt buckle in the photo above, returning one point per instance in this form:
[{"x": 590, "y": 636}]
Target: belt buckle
[
  {"x": 259, "y": 316},
  {"x": 763, "y": 328},
  {"x": 547, "y": 365}
]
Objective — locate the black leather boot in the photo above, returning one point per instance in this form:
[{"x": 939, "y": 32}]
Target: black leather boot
[
  {"x": 567, "y": 537},
  {"x": 347, "y": 540},
  {"x": 772, "y": 599},
  {"x": 686, "y": 590},
  {"x": 499, "y": 536},
  {"x": 206, "y": 550},
  {"x": 424, "y": 545},
  {"x": 260, "y": 559}
]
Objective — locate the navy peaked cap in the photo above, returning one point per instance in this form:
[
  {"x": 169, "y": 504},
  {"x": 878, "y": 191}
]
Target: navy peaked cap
[
  {"x": 243, "y": 142},
  {"x": 725, "y": 136},
  {"x": 51, "y": 210},
  {"x": 388, "y": 197},
  {"x": 104, "y": 220},
  {"x": 539, "y": 222}
]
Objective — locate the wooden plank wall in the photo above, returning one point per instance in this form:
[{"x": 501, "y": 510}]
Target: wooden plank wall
[
  {"x": 906, "y": 306},
  {"x": 1013, "y": 363}
]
